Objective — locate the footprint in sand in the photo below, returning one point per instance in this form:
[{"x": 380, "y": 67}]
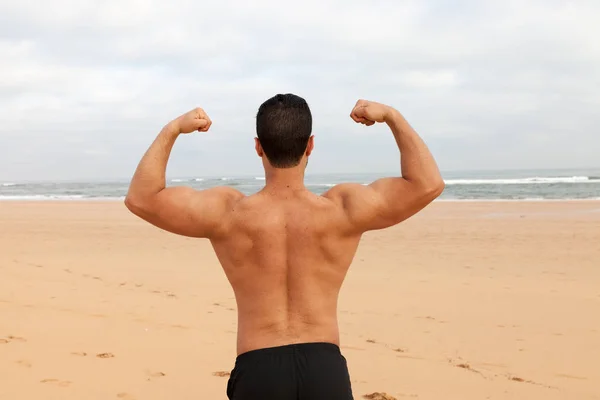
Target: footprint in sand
[
  {"x": 79, "y": 353},
  {"x": 515, "y": 378},
  {"x": 125, "y": 396},
  {"x": 467, "y": 366},
  {"x": 56, "y": 382},
  {"x": 567, "y": 376},
  {"x": 397, "y": 350},
  {"x": 155, "y": 375},
  {"x": 407, "y": 357},
  {"x": 23, "y": 363},
  {"x": 379, "y": 396},
  {"x": 221, "y": 374},
  {"x": 4, "y": 341},
  {"x": 16, "y": 339},
  {"x": 177, "y": 326},
  {"x": 105, "y": 355}
]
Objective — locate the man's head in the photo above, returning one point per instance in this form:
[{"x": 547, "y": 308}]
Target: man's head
[{"x": 284, "y": 127}]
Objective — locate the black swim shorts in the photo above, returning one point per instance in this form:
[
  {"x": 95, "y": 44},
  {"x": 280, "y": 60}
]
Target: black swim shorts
[{"x": 308, "y": 371}]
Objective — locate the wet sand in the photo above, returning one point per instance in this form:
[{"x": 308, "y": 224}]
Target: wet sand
[{"x": 465, "y": 301}]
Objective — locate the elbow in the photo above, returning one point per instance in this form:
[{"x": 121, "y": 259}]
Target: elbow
[
  {"x": 130, "y": 203},
  {"x": 435, "y": 188},
  {"x": 135, "y": 204},
  {"x": 440, "y": 186}
]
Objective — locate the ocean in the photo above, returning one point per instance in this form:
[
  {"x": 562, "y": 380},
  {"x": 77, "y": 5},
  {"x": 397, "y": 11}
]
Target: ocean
[{"x": 482, "y": 185}]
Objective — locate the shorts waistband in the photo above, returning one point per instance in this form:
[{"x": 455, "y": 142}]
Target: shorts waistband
[{"x": 291, "y": 349}]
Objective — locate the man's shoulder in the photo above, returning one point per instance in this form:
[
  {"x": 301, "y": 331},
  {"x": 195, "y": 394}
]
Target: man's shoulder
[
  {"x": 340, "y": 192},
  {"x": 226, "y": 194}
]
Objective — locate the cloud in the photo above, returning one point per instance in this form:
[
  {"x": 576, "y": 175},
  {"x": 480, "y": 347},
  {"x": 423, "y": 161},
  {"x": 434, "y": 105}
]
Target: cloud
[{"x": 85, "y": 85}]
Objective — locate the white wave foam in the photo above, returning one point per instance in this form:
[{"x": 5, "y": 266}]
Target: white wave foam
[
  {"x": 527, "y": 199},
  {"x": 40, "y": 197},
  {"x": 259, "y": 178},
  {"x": 9, "y": 184},
  {"x": 178, "y": 180},
  {"x": 523, "y": 181},
  {"x": 121, "y": 198},
  {"x": 322, "y": 184}
]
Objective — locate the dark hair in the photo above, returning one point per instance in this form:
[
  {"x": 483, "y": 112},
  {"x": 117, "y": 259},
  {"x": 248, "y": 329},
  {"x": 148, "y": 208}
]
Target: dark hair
[{"x": 283, "y": 126}]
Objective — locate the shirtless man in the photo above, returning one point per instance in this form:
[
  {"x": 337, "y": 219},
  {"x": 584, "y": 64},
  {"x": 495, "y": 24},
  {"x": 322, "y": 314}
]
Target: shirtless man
[{"x": 286, "y": 250}]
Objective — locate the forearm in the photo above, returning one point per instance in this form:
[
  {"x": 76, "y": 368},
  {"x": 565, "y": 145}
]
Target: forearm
[
  {"x": 417, "y": 163},
  {"x": 150, "y": 176}
]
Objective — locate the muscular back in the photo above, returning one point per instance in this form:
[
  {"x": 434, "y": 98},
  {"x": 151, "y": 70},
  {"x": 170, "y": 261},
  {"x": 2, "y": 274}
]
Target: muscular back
[
  {"x": 286, "y": 256},
  {"x": 286, "y": 252}
]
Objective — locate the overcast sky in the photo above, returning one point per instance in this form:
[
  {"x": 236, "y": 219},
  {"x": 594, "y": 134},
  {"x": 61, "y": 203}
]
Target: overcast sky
[{"x": 85, "y": 85}]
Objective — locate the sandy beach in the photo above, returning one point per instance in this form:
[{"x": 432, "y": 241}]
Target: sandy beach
[{"x": 466, "y": 301}]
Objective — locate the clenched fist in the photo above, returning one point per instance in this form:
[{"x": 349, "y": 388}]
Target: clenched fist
[
  {"x": 368, "y": 112},
  {"x": 195, "y": 120}
]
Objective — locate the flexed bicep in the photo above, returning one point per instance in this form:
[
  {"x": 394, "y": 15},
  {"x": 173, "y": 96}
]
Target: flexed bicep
[
  {"x": 389, "y": 201},
  {"x": 384, "y": 203},
  {"x": 188, "y": 212}
]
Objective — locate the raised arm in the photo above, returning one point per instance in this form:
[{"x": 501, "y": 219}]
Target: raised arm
[
  {"x": 180, "y": 210},
  {"x": 389, "y": 201}
]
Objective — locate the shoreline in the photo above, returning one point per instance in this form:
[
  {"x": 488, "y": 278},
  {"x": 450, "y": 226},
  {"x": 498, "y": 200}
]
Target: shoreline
[{"x": 111, "y": 200}]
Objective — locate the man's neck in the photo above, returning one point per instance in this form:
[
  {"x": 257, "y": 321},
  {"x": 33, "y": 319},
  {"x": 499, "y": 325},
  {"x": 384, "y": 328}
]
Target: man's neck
[{"x": 284, "y": 179}]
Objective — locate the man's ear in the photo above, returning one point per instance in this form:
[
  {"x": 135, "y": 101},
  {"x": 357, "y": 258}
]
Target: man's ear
[
  {"x": 258, "y": 147},
  {"x": 310, "y": 146}
]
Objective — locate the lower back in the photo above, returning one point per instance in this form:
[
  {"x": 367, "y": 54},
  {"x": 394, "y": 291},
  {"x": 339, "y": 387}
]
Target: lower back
[
  {"x": 253, "y": 335},
  {"x": 277, "y": 308}
]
